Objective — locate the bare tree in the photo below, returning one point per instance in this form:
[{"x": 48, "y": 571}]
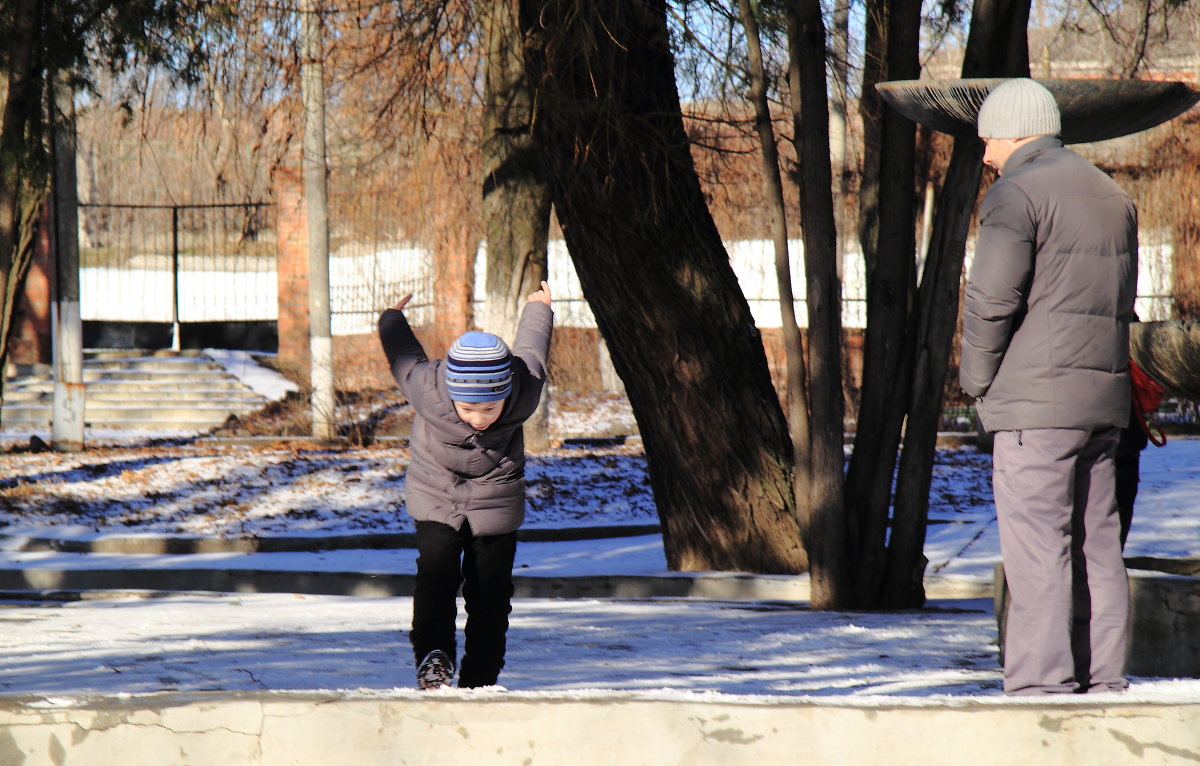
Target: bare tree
[
  {"x": 516, "y": 197},
  {"x": 867, "y": 550},
  {"x": 996, "y": 47},
  {"x": 887, "y": 236},
  {"x": 796, "y": 393},
  {"x": 658, "y": 279},
  {"x": 814, "y": 392},
  {"x": 23, "y": 172},
  {"x": 825, "y": 532}
]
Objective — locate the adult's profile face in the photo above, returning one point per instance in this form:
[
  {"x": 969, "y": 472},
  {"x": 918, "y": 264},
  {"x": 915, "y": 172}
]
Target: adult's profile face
[{"x": 995, "y": 153}]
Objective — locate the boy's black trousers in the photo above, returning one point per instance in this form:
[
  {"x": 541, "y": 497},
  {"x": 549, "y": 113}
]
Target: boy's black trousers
[{"x": 446, "y": 559}]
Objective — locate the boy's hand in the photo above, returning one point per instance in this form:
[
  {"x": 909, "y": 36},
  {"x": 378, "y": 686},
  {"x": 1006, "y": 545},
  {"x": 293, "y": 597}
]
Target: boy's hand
[
  {"x": 404, "y": 302},
  {"x": 541, "y": 296}
]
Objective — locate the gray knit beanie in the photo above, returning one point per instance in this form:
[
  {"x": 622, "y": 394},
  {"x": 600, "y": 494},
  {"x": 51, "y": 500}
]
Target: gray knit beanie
[{"x": 1019, "y": 108}]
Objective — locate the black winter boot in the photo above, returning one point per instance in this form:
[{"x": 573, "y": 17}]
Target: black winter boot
[{"x": 437, "y": 669}]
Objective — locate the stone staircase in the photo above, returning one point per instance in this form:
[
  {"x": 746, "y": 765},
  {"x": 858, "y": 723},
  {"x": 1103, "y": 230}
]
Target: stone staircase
[{"x": 129, "y": 389}]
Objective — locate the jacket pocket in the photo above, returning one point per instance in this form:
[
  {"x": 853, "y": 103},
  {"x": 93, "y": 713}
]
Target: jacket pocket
[{"x": 1088, "y": 342}]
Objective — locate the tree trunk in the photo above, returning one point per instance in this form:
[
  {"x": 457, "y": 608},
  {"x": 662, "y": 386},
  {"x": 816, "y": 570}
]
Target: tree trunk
[
  {"x": 825, "y": 531},
  {"x": 888, "y": 242},
  {"x": 23, "y": 170},
  {"x": 902, "y": 585},
  {"x": 871, "y": 110},
  {"x": 796, "y": 394},
  {"x": 516, "y": 197},
  {"x": 658, "y": 279},
  {"x": 839, "y": 67},
  {"x": 996, "y": 47}
]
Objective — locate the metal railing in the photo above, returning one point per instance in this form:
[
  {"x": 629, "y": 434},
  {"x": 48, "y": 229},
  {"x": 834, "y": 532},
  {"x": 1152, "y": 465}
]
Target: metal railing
[{"x": 137, "y": 259}]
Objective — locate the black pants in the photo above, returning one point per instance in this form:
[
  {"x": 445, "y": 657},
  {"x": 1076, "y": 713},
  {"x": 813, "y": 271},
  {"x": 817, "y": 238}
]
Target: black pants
[
  {"x": 449, "y": 558},
  {"x": 1127, "y": 462}
]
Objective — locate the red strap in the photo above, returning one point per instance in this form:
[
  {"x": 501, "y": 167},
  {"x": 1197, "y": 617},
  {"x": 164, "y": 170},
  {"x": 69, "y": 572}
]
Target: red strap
[{"x": 1147, "y": 395}]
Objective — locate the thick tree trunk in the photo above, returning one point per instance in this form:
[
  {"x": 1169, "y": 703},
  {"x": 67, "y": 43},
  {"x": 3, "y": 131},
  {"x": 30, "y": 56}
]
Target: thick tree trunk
[
  {"x": 516, "y": 197},
  {"x": 658, "y": 279},
  {"x": 825, "y": 527},
  {"x": 889, "y": 242},
  {"x": 996, "y": 47}
]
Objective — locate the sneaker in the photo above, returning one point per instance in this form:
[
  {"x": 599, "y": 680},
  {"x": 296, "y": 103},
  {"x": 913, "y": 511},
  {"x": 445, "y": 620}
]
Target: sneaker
[{"x": 436, "y": 670}]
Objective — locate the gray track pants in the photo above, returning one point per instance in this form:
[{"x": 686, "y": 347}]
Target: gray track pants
[{"x": 1068, "y": 623}]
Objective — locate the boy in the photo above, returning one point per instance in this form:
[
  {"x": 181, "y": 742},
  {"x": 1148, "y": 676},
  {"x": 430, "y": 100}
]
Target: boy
[{"x": 465, "y": 484}]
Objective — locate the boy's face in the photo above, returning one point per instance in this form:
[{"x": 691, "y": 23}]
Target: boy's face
[{"x": 479, "y": 415}]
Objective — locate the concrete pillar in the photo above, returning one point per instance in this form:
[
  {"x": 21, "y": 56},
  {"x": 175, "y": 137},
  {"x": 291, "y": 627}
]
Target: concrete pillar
[{"x": 69, "y": 390}]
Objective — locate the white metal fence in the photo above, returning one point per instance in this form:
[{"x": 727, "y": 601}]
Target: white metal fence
[{"x": 364, "y": 281}]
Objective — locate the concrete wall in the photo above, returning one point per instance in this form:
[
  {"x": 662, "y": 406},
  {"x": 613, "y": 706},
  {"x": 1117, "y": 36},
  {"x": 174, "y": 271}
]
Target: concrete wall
[
  {"x": 606, "y": 728},
  {"x": 1165, "y": 613}
]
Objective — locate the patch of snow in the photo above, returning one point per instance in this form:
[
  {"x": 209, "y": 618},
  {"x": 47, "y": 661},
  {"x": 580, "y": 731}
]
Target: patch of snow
[{"x": 261, "y": 380}]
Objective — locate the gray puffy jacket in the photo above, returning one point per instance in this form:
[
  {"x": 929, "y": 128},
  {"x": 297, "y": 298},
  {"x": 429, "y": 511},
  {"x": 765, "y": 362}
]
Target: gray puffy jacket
[
  {"x": 456, "y": 473},
  {"x": 1050, "y": 296}
]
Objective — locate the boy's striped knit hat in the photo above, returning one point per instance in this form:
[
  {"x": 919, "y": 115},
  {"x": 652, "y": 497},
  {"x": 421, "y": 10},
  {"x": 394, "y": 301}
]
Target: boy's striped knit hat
[{"x": 479, "y": 368}]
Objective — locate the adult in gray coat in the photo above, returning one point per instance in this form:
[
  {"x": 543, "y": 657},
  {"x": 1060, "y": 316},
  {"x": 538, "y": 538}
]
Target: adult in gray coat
[
  {"x": 1045, "y": 352},
  {"x": 465, "y": 484}
]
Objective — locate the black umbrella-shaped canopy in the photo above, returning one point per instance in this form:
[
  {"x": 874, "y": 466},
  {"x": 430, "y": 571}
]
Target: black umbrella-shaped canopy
[{"x": 1091, "y": 110}]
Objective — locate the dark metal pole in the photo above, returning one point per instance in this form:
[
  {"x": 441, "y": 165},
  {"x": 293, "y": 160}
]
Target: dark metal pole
[{"x": 175, "y": 344}]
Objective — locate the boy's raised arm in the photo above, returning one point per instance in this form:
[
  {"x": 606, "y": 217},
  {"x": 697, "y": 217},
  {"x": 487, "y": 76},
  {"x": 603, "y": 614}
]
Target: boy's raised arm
[
  {"x": 532, "y": 343},
  {"x": 399, "y": 342}
]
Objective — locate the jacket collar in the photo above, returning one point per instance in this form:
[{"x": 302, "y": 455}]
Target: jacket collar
[{"x": 1030, "y": 150}]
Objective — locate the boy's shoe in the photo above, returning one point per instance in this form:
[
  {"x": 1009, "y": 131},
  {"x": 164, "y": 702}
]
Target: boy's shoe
[{"x": 436, "y": 670}]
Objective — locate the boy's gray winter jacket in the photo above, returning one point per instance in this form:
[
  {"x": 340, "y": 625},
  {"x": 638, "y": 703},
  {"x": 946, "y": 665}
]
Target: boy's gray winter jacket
[
  {"x": 1050, "y": 296},
  {"x": 456, "y": 473}
]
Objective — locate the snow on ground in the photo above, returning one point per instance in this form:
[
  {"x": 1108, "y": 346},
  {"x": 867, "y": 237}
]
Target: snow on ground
[
  {"x": 297, "y": 490},
  {"x": 779, "y": 650},
  {"x": 767, "y": 650},
  {"x": 196, "y": 642},
  {"x": 259, "y": 379},
  {"x": 590, "y": 415}
]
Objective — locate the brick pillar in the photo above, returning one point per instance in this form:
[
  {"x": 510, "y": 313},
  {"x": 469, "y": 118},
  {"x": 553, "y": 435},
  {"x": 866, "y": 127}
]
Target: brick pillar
[
  {"x": 358, "y": 362},
  {"x": 1185, "y": 271},
  {"x": 453, "y": 282},
  {"x": 291, "y": 262},
  {"x": 31, "y": 339}
]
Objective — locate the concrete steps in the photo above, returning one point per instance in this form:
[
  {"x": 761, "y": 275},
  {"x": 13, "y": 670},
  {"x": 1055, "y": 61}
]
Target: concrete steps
[{"x": 135, "y": 390}]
